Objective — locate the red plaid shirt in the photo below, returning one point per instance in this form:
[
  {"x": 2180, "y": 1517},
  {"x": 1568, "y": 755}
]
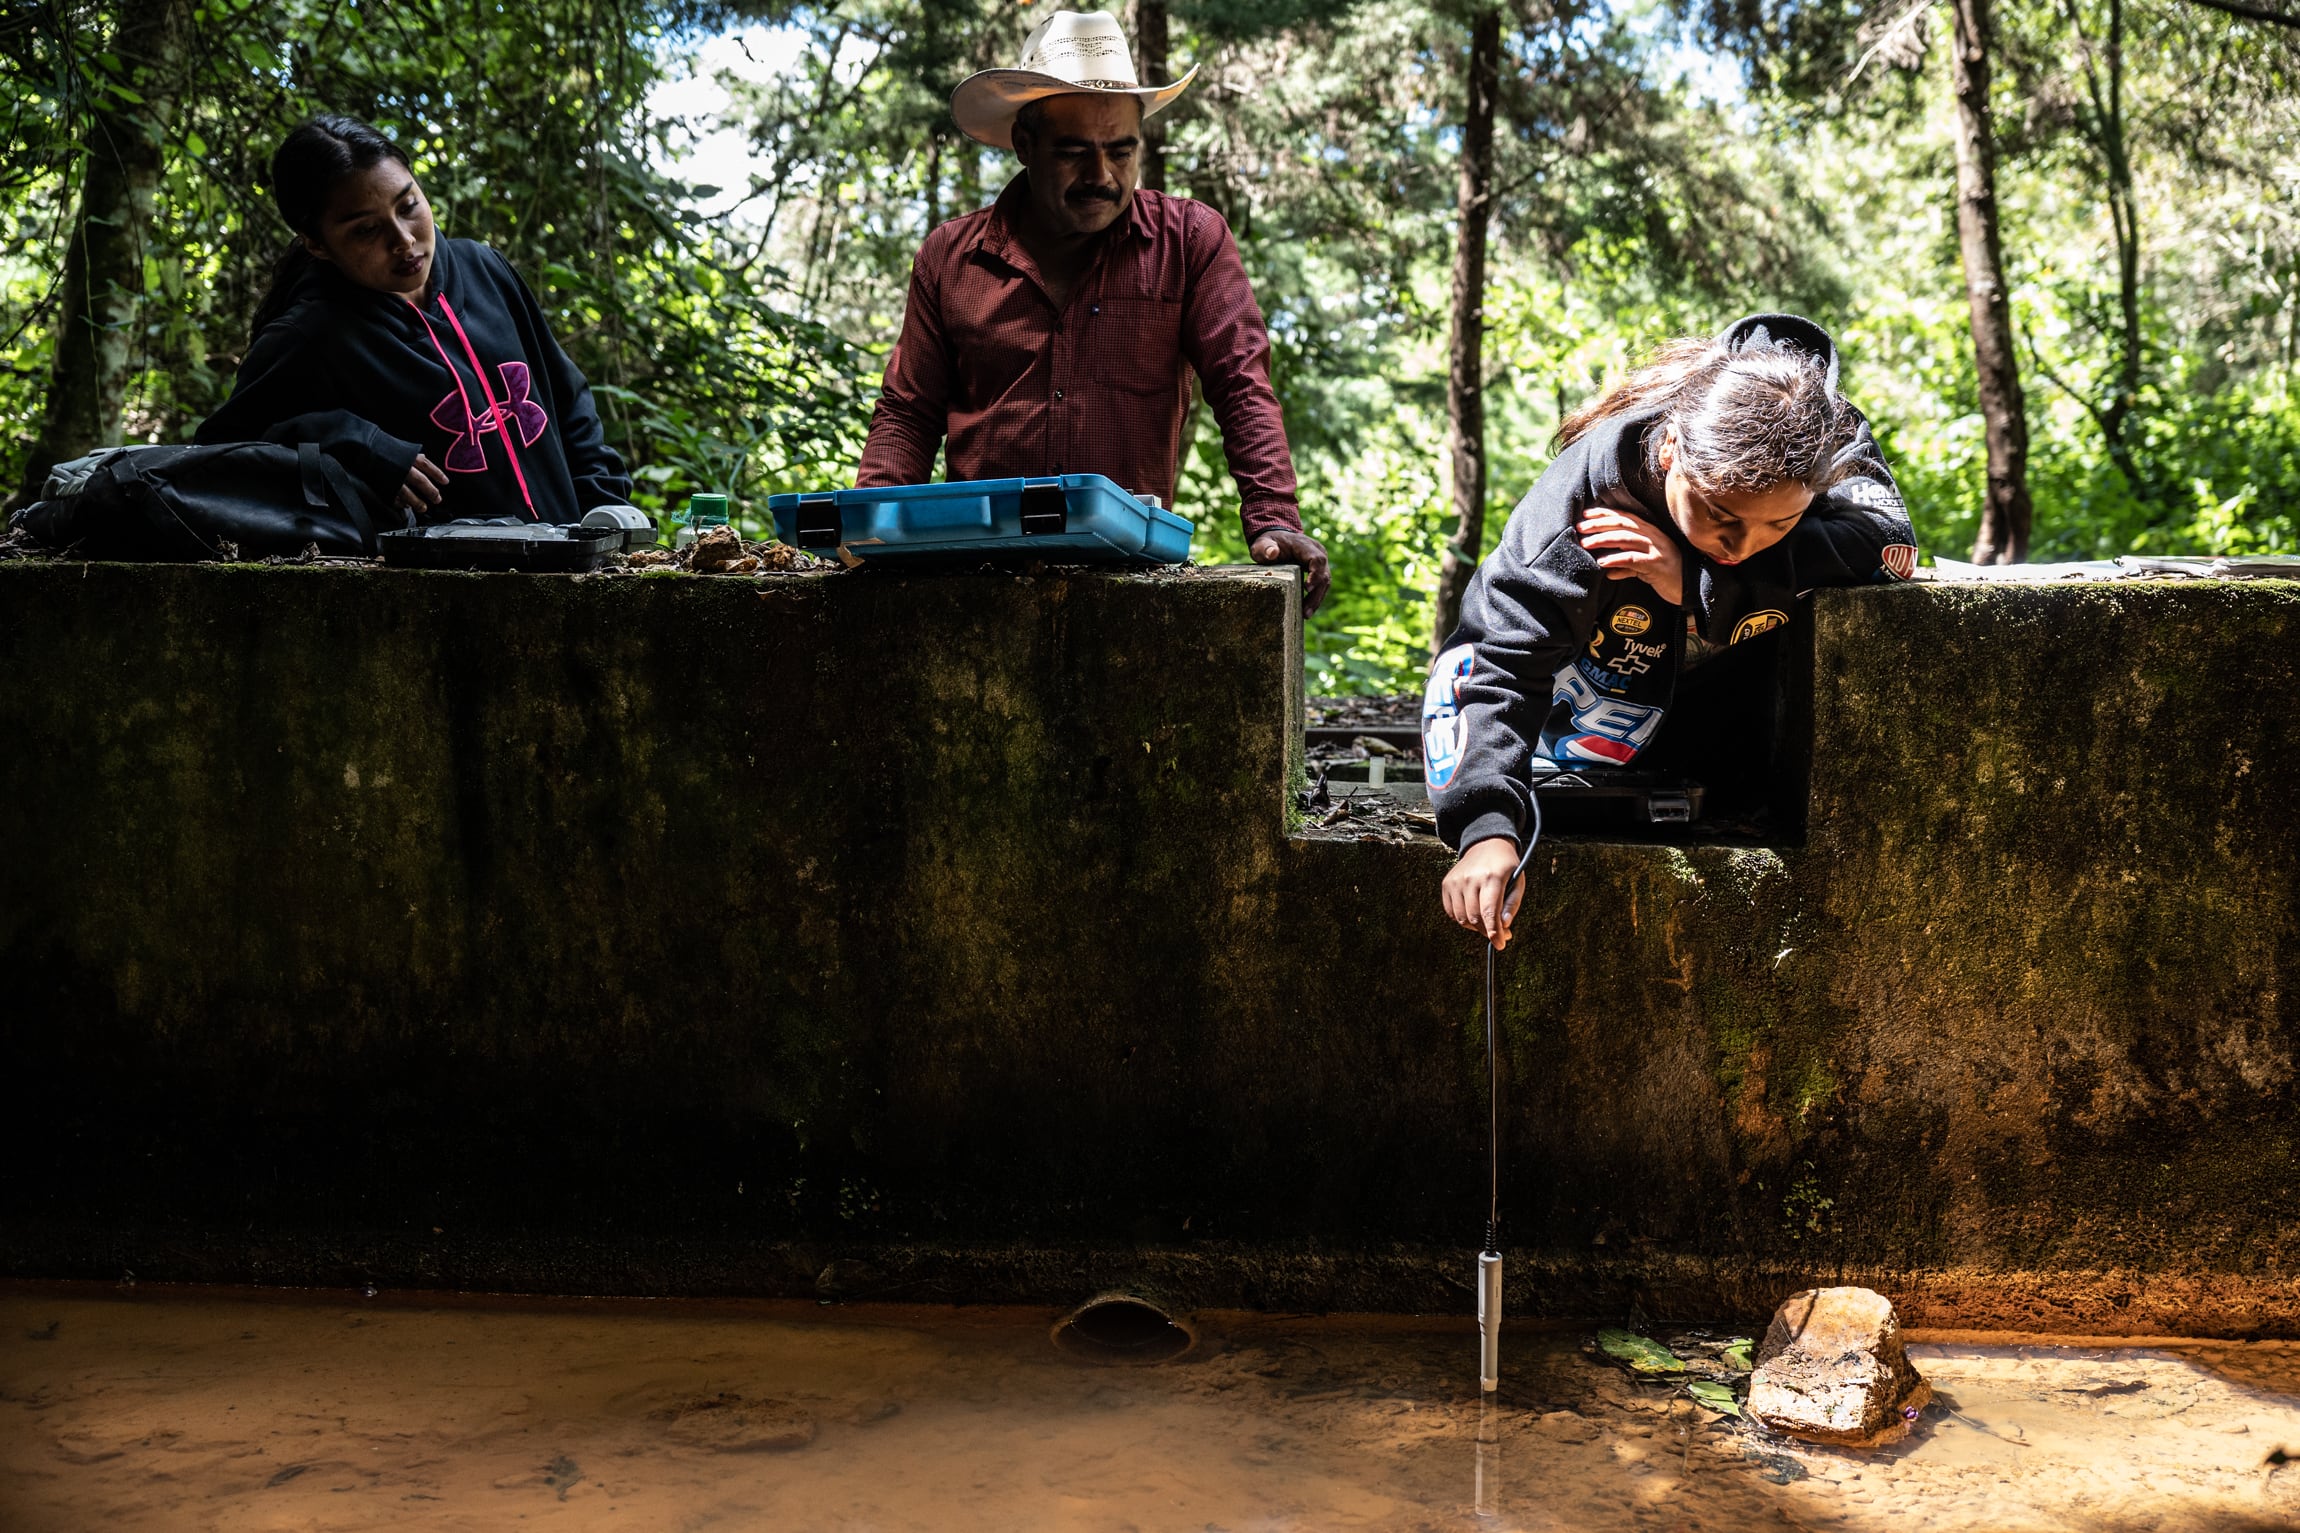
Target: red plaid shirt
[{"x": 1099, "y": 388}]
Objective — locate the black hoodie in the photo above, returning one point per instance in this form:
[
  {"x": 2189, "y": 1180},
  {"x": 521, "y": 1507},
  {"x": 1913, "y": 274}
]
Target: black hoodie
[
  {"x": 377, "y": 378},
  {"x": 1554, "y": 660}
]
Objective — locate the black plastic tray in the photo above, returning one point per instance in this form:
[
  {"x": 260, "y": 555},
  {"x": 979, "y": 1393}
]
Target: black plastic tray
[
  {"x": 1593, "y": 798},
  {"x": 542, "y": 548}
]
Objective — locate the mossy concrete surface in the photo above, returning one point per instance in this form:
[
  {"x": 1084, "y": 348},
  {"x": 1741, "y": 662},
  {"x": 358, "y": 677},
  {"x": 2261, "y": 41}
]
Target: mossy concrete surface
[{"x": 943, "y": 937}]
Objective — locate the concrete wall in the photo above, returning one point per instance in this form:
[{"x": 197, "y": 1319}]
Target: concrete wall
[{"x": 943, "y": 938}]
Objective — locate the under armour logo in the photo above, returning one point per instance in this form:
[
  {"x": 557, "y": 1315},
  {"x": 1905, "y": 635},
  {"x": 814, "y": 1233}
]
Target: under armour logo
[{"x": 453, "y": 415}]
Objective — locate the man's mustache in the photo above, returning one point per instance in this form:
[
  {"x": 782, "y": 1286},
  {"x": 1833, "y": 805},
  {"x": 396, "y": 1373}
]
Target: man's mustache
[{"x": 1090, "y": 194}]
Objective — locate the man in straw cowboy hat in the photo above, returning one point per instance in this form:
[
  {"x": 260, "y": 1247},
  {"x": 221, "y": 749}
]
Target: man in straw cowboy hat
[{"x": 1049, "y": 332}]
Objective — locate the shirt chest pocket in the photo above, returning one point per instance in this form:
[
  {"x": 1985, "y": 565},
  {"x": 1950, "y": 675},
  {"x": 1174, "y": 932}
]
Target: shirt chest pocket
[{"x": 1132, "y": 343}]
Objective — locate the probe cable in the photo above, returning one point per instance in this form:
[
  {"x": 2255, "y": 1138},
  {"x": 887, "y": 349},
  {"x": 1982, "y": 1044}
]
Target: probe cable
[{"x": 1489, "y": 1260}]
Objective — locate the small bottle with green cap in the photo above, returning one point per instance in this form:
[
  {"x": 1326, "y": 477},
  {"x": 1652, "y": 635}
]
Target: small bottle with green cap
[{"x": 703, "y": 513}]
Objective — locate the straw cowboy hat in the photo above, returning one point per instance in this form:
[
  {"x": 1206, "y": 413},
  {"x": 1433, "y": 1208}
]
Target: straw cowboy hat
[{"x": 1069, "y": 53}]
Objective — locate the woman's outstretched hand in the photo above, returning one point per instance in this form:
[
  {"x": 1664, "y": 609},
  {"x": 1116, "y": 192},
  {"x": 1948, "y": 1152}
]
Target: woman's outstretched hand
[
  {"x": 426, "y": 484},
  {"x": 1629, "y": 546},
  {"x": 1474, "y": 890}
]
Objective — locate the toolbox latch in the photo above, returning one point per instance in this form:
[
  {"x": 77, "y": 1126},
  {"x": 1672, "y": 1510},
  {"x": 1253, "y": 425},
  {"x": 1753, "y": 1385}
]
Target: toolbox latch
[
  {"x": 1669, "y": 808},
  {"x": 1044, "y": 507},
  {"x": 819, "y": 521}
]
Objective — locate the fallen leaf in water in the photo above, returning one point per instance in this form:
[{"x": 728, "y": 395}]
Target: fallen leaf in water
[{"x": 1640, "y": 1354}]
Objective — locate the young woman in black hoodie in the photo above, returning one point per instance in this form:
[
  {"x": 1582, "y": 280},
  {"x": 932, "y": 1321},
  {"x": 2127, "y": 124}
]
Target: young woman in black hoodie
[
  {"x": 1695, "y": 502},
  {"x": 424, "y": 364}
]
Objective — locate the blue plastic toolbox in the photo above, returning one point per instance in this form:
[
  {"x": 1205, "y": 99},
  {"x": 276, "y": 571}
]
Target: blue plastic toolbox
[{"x": 1072, "y": 519}]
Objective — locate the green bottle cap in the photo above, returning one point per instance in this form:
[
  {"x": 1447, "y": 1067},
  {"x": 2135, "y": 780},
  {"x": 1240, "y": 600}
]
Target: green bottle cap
[{"x": 706, "y": 510}]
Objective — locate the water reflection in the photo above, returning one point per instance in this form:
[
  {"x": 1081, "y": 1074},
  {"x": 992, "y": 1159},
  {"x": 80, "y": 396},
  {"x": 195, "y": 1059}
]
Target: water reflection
[
  {"x": 165, "y": 1410},
  {"x": 1486, "y": 1501}
]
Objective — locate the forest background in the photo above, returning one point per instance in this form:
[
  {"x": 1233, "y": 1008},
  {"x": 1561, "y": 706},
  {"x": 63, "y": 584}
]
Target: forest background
[{"x": 1461, "y": 219}]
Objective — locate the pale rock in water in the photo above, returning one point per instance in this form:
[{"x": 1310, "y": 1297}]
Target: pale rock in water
[{"x": 1832, "y": 1370}]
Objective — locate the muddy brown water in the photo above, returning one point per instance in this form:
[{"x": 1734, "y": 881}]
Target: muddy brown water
[{"x": 202, "y": 1409}]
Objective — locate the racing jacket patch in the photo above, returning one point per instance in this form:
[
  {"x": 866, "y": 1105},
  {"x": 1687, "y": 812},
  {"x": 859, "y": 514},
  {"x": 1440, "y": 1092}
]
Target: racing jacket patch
[
  {"x": 1607, "y": 702},
  {"x": 1442, "y": 723}
]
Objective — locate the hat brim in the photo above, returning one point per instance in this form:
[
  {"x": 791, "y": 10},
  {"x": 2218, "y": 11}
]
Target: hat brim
[{"x": 984, "y": 105}]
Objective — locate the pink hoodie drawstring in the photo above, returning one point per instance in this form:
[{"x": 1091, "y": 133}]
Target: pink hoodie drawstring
[{"x": 494, "y": 411}]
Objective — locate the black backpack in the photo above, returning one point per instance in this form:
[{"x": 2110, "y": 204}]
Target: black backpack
[{"x": 231, "y": 500}]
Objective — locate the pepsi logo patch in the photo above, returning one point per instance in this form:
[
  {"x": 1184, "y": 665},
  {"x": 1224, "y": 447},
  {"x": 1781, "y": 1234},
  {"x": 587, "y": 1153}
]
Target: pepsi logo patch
[
  {"x": 1900, "y": 560},
  {"x": 1444, "y": 730},
  {"x": 1604, "y": 729},
  {"x": 1599, "y": 748}
]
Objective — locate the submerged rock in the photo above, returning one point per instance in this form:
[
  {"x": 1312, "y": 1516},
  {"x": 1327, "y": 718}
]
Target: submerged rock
[
  {"x": 728, "y": 1423},
  {"x": 1832, "y": 1370}
]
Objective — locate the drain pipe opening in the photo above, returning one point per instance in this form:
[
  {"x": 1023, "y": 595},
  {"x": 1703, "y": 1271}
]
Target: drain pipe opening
[{"x": 1122, "y": 1328}]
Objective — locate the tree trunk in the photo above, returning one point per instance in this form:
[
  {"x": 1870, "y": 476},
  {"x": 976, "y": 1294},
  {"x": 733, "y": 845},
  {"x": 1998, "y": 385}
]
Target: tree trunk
[
  {"x": 2124, "y": 216},
  {"x": 934, "y": 178},
  {"x": 933, "y": 47},
  {"x": 1465, "y": 374},
  {"x": 104, "y": 264},
  {"x": 2006, "y": 513},
  {"x": 1151, "y": 44},
  {"x": 2104, "y": 125}
]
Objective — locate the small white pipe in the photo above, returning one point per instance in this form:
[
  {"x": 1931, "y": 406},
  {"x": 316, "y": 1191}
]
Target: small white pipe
[{"x": 1489, "y": 1321}]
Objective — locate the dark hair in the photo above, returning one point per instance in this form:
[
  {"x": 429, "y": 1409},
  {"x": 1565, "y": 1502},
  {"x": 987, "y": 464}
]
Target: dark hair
[
  {"x": 1749, "y": 419},
  {"x": 305, "y": 171}
]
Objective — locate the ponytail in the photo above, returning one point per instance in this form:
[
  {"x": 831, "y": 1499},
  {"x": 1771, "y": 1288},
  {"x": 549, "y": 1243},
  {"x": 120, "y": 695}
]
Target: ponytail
[
  {"x": 304, "y": 173},
  {"x": 1741, "y": 418}
]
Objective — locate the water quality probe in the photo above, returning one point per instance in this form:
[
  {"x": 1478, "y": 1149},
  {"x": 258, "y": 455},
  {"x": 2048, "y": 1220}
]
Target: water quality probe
[{"x": 1489, "y": 1260}]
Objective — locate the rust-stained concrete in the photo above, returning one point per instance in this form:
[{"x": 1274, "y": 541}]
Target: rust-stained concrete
[{"x": 943, "y": 938}]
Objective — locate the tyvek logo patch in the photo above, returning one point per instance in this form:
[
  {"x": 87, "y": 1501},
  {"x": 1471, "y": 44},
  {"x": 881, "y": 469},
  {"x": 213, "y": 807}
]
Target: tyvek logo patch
[
  {"x": 1636, "y": 658},
  {"x": 1443, "y": 727}
]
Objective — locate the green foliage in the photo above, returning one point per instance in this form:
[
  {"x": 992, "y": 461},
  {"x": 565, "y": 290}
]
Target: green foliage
[
  {"x": 1804, "y": 1211},
  {"x": 2205, "y": 112},
  {"x": 740, "y": 352},
  {"x": 49, "y": 60},
  {"x": 529, "y": 133}
]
